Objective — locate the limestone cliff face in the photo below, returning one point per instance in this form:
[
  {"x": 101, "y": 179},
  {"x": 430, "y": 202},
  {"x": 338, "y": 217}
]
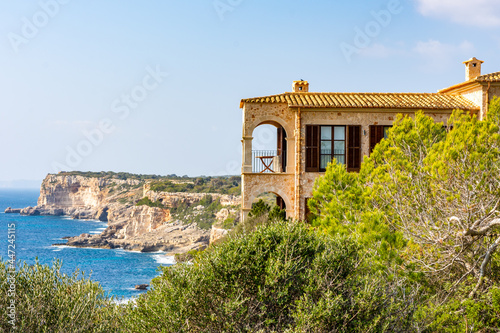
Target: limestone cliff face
[
  {"x": 76, "y": 192},
  {"x": 145, "y": 219},
  {"x": 131, "y": 227},
  {"x": 70, "y": 192}
]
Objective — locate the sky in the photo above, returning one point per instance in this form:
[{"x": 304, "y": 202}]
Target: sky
[{"x": 154, "y": 87}]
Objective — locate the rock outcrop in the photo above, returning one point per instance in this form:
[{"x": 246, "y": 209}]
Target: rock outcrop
[
  {"x": 217, "y": 233},
  {"x": 11, "y": 210},
  {"x": 137, "y": 228}
]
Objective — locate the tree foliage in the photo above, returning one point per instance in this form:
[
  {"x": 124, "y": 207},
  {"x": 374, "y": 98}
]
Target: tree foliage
[
  {"x": 46, "y": 300},
  {"x": 426, "y": 199},
  {"x": 282, "y": 277}
]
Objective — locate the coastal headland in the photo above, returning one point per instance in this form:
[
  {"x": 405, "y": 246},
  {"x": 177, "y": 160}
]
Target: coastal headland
[{"x": 143, "y": 213}]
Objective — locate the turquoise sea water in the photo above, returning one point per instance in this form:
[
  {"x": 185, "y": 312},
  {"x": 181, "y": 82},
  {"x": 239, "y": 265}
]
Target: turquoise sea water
[{"x": 118, "y": 271}]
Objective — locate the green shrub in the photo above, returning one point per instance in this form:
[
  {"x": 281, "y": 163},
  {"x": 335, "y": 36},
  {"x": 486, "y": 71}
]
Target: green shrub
[
  {"x": 147, "y": 202},
  {"x": 224, "y": 185},
  {"x": 229, "y": 223},
  {"x": 249, "y": 225},
  {"x": 123, "y": 201},
  {"x": 277, "y": 214},
  {"x": 187, "y": 256},
  {"x": 282, "y": 276},
  {"x": 462, "y": 314},
  {"x": 204, "y": 218},
  {"x": 259, "y": 208},
  {"x": 47, "y": 300}
]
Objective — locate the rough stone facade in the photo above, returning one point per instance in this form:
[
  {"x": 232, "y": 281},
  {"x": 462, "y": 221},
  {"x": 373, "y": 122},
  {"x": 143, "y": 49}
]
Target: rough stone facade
[{"x": 294, "y": 111}]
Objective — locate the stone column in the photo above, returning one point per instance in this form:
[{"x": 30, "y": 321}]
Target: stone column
[
  {"x": 247, "y": 154},
  {"x": 244, "y": 214},
  {"x": 290, "y": 158},
  {"x": 298, "y": 162}
]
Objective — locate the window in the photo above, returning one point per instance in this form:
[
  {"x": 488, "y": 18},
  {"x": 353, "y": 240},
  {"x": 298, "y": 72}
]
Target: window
[
  {"x": 326, "y": 143},
  {"x": 377, "y": 133},
  {"x": 332, "y": 145}
]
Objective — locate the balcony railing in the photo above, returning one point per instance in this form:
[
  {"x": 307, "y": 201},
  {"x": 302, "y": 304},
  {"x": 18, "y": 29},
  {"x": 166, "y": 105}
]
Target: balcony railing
[{"x": 266, "y": 161}]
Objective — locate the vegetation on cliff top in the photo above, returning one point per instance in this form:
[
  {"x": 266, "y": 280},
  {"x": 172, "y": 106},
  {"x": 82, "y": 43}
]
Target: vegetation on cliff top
[
  {"x": 113, "y": 175},
  {"x": 223, "y": 185},
  {"x": 147, "y": 202},
  {"x": 172, "y": 183},
  {"x": 201, "y": 212}
]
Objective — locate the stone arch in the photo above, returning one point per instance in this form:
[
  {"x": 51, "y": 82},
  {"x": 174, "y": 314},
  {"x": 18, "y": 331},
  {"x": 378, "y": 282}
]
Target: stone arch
[
  {"x": 269, "y": 120},
  {"x": 274, "y": 190}
]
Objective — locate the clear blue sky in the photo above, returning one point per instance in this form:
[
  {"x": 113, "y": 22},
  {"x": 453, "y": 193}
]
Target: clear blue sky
[{"x": 68, "y": 68}]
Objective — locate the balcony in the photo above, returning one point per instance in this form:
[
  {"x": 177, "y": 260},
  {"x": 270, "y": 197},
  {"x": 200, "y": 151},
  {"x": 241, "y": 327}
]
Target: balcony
[{"x": 267, "y": 161}]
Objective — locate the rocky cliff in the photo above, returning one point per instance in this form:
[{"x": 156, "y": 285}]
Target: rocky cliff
[{"x": 141, "y": 228}]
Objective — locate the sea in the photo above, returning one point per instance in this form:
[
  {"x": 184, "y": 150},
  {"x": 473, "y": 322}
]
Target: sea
[{"x": 117, "y": 271}]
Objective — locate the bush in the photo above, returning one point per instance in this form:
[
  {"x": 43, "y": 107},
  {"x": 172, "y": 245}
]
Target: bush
[
  {"x": 259, "y": 208},
  {"x": 224, "y": 185},
  {"x": 462, "y": 314},
  {"x": 280, "y": 277},
  {"x": 147, "y": 202},
  {"x": 47, "y": 300},
  {"x": 187, "y": 256},
  {"x": 204, "y": 218},
  {"x": 277, "y": 214}
]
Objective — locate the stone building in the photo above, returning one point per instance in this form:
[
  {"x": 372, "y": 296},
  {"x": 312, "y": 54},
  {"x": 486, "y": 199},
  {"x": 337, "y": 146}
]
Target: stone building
[{"x": 315, "y": 128}]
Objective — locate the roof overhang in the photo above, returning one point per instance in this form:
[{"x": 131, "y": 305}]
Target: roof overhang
[{"x": 413, "y": 101}]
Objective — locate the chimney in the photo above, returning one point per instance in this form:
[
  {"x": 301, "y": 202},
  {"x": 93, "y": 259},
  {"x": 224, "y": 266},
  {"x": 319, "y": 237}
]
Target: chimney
[
  {"x": 472, "y": 68},
  {"x": 300, "y": 86}
]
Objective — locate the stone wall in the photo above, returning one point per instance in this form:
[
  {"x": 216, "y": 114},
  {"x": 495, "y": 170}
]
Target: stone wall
[{"x": 278, "y": 183}]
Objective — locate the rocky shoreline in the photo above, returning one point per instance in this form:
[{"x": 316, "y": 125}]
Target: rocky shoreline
[
  {"x": 181, "y": 239},
  {"x": 130, "y": 227}
]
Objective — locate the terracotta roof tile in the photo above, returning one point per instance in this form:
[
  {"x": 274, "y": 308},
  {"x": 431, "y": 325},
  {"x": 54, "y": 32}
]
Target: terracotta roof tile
[
  {"x": 372, "y": 100},
  {"x": 493, "y": 77}
]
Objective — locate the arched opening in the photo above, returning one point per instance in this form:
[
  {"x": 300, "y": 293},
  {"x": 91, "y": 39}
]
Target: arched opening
[
  {"x": 266, "y": 202},
  {"x": 269, "y": 148}
]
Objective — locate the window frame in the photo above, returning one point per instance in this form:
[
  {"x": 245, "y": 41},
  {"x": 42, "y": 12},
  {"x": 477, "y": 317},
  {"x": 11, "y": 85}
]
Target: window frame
[
  {"x": 351, "y": 151},
  {"x": 332, "y": 155}
]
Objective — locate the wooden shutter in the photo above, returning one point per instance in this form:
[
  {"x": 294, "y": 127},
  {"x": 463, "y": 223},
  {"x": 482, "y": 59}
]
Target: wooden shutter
[
  {"x": 312, "y": 148},
  {"x": 282, "y": 147},
  {"x": 280, "y": 202},
  {"x": 376, "y": 135},
  {"x": 354, "y": 148}
]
